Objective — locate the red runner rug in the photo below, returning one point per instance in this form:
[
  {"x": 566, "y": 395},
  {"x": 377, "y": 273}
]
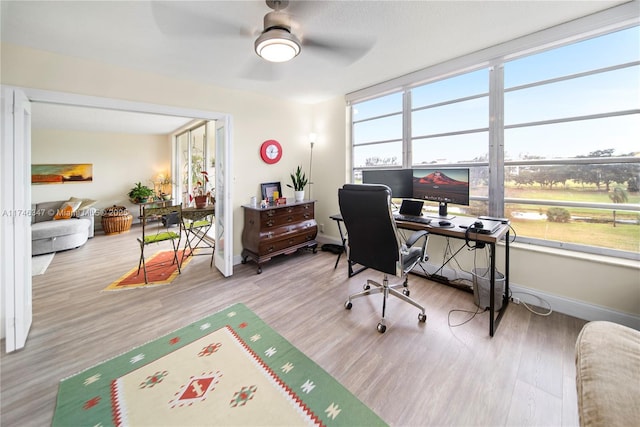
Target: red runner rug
[{"x": 161, "y": 270}]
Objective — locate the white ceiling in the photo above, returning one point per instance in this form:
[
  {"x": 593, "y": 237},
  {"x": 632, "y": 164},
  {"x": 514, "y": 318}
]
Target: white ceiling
[{"x": 347, "y": 45}]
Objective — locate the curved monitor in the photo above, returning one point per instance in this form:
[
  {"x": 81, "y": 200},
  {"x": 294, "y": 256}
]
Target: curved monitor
[
  {"x": 398, "y": 180},
  {"x": 450, "y": 185}
]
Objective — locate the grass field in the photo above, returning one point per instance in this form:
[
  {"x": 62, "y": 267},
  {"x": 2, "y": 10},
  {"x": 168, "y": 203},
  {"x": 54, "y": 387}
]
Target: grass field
[
  {"x": 571, "y": 195},
  {"x": 625, "y": 237},
  {"x": 595, "y": 229}
]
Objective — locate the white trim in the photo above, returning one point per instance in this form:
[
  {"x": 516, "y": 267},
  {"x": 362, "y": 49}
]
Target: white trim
[
  {"x": 571, "y": 307},
  {"x": 568, "y": 306},
  {"x": 62, "y": 98}
]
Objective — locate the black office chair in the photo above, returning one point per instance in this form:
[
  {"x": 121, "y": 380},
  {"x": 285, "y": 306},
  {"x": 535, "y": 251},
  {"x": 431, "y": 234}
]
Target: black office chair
[{"x": 373, "y": 242}]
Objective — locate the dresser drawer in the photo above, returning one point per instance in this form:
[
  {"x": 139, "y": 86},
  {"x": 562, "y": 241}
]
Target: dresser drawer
[
  {"x": 287, "y": 231},
  {"x": 278, "y": 230},
  {"x": 274, "y": 218},
  {"x": 287, "y": 240}
]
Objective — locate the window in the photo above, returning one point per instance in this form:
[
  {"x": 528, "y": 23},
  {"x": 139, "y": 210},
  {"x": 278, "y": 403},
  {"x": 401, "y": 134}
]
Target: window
[
  {"x": 567, "y": 149},
  {"x": 571, "y": 143},
  {"x": 195, "y": 157},
  {"x": 377, "y": 132}
]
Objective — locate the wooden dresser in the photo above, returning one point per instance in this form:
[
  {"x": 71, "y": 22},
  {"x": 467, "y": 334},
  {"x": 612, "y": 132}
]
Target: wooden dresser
[{"x": 278, "y": 230}]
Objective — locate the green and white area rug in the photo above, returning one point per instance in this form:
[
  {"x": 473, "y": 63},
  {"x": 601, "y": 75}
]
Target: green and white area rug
[{"x": 227, "y": 369}]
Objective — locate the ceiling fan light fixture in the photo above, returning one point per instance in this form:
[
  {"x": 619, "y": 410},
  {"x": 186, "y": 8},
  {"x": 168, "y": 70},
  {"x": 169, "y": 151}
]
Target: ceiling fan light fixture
[{"x": 277, "y": 45}]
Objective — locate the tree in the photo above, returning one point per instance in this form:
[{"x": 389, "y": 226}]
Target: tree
[
  {"x": 606, "y": 174},
  {"x": 619, "y": 195},
  {"x": 378, "y": 161}
]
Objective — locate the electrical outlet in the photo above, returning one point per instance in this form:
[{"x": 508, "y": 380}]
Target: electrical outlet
[
  {"x": 515, "y": 300},
  {"x": 321, "y": 227}
]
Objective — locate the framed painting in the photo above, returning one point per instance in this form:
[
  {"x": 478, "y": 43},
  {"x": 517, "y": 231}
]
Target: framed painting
[
  {"x": 61, "y": 173},
  {"x": 268, "y": 188}
]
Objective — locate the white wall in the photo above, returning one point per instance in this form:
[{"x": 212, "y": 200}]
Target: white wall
[{"x": 119, "y": 161}]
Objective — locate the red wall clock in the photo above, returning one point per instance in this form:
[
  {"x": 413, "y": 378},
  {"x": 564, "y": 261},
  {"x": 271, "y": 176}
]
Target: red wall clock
[{"x": 271, "y": 151}]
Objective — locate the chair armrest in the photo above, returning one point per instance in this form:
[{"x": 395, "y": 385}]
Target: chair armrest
[{"x": 415, "y": 236}]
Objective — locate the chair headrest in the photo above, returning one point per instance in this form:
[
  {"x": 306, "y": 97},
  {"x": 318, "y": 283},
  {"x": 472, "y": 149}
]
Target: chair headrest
[{"x": 366, "y": 187}]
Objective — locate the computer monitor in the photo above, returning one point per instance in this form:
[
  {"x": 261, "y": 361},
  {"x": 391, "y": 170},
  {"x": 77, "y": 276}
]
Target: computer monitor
[
  {"x": 442, "y": 185},
  {"x": 400, "y": 181}
]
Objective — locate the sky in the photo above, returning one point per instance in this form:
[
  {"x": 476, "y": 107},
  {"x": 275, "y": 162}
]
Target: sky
[{"x": 614, "y": 90}]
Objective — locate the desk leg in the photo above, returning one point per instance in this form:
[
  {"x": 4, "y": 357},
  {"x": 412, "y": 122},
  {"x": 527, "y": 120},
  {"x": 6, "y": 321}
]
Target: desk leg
[
  {"x": 506, "y": 273},
  {"x": 493, "y": 324},
  {"x": 344, "y": 247},
  {"x": 492, "y": 257}
]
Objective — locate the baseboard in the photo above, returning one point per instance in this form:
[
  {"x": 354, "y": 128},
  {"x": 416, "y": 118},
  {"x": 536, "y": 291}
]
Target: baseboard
[
  {"x": 568, "y": 306},
  {"x": 571, "y": 307}
]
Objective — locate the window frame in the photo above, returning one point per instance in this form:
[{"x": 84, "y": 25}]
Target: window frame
[{"x": 599, "y": 24}]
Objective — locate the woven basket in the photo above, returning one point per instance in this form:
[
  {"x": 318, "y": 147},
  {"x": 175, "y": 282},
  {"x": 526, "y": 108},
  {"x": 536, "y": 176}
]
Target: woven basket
[{"x": 116, "y": 220}]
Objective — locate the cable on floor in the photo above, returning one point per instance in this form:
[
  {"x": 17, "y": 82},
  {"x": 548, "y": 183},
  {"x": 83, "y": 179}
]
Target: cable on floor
[
  {"x": 473, "y": 314},
  {"x": 528, "y": 307}
]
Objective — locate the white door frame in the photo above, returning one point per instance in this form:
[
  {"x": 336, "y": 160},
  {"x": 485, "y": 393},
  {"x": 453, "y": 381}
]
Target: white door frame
[
  {"x": 63, "y": 98},
  {"x": 15, "y": 229}
]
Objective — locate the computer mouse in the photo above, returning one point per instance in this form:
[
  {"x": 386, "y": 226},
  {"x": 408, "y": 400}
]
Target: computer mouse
[{"x": 444, "y": 223}]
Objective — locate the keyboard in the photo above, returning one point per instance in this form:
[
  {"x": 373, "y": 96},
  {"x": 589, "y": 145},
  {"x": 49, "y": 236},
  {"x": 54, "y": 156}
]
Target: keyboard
[{"x": 412, "y": 218}]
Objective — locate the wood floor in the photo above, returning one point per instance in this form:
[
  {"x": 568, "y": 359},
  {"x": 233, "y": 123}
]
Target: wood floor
[{"x": 415, "y": 374}]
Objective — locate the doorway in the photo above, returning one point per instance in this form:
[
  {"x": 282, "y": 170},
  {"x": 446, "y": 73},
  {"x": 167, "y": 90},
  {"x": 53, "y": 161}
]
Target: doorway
[
  {"x": 223, "y": 132},
  {"x": 224, "y": 261}
]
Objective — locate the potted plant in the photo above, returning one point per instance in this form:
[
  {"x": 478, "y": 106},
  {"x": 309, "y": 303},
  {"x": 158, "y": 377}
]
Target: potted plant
[
  {"x": 201, "y": 195},
  {"x": 141, "y": 193},
  {"x": 164, "y": 182},
  {"x": 299, "y": 181}
]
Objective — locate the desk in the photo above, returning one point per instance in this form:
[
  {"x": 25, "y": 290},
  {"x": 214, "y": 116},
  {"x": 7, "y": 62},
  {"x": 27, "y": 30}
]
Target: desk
[
  {"x": 457, "y": 232},
  {"x": 197, "y": 222}
]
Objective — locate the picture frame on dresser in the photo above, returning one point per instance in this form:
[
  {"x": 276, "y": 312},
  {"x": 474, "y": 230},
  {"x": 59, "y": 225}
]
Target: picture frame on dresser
[{"x": 268, "y": 188}]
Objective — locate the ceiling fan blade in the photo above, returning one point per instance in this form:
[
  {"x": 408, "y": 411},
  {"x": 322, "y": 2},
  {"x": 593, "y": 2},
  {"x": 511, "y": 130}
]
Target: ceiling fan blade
[
  {"x": 193, "y": 19},
  {"x": 340, "y": 49}
]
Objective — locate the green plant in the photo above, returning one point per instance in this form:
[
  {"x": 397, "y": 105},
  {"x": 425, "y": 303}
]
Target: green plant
[
  {"x": 140, "y": 192},
  {"x": 299, "y": 180},
  {"x": 558, "y": 215}
]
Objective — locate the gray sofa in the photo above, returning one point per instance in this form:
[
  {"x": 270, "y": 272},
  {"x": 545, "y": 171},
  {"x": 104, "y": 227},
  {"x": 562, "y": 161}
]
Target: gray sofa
[
  {"x": 49, "y": 235},
  {"x": 608, "y": 375}
]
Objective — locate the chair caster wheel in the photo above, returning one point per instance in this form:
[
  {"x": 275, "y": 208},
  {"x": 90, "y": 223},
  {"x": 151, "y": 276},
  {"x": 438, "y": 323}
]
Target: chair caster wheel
[
  {"x": 381, "y": 328},
  {"x": 348, "y": 305},
  {"x": 422, "y": 317},
  {"x": 406, "y": 292}
]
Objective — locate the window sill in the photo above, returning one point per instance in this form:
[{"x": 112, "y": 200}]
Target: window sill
[{"x": 603, "y": 259}]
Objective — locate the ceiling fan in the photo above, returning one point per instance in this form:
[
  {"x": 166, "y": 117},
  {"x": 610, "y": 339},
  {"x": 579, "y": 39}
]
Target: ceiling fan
[
  {"x": 277, "y": 43},
  {"x": 282, "y": 37}
]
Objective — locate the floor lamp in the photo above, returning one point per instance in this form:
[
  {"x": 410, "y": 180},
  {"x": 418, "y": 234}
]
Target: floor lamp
[{"x": 312, "y": 140}]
